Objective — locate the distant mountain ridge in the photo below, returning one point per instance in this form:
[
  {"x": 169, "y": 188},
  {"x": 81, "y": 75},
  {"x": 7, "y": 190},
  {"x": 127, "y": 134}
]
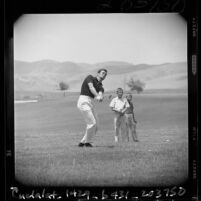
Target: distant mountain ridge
[{"x": 45, "y": 75}]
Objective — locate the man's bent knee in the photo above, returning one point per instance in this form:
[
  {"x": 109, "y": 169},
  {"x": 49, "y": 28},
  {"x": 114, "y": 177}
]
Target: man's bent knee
[{"x": 92, "y": 125}]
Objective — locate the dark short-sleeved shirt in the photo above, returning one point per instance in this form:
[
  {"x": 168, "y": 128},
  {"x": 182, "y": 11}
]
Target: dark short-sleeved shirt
[
  {"x": 85, "y": 88},
  {"x": 130, "y": 109}
]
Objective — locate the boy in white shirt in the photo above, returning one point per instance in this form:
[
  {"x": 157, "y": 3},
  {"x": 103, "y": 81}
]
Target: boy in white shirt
[{"x": 119, "y": 105}]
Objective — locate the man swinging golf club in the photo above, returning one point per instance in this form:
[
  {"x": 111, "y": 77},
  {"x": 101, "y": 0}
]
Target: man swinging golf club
[{"x": 91, "y": 89}]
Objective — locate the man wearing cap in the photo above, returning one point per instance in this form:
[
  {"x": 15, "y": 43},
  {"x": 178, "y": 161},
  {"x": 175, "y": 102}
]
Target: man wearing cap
[{"x": 91, "y": 89}]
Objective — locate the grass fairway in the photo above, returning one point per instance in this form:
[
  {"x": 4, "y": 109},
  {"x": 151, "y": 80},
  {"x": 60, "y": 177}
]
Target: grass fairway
[{"x": 47, "y": 134}]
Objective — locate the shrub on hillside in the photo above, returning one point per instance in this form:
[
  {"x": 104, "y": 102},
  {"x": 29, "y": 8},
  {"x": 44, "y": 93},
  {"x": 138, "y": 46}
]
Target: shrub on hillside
[
  {"x": 136, "y": 85},
  {"x": 63, "y": 86}
]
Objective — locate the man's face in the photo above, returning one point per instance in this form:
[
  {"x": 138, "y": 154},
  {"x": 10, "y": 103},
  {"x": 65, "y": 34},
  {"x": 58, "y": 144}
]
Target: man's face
[
  {"x": 102, "y": 75},
  {"x": 119, "y": 93},
  {"x": 129, "y": 97}
]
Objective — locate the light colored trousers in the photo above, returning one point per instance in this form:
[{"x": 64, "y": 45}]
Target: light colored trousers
[
  {"x": 86, "y": 108},
  {"x": 125, "y": 125},
  {"x": 118, "y": 121}
]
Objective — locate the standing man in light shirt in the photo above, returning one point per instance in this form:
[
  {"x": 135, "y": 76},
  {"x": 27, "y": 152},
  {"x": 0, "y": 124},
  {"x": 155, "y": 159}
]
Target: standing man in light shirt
[
  {"x": 118, "y": 105},
  {"x": 131, "y": 120},
  {"x": 91, "y": 89}
]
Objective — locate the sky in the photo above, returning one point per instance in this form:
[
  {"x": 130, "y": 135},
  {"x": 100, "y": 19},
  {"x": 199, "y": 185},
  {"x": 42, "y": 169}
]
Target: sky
[{"x": 151, "y": 38}]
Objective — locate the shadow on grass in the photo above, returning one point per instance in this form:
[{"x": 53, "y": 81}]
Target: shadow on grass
[
  {"x": 98, "y": 146},
  {"x": 106, "y": 146}
]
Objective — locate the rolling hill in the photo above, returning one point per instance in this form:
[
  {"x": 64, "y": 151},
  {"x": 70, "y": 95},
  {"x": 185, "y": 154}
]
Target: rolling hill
[{"x": 45, "y": 75}]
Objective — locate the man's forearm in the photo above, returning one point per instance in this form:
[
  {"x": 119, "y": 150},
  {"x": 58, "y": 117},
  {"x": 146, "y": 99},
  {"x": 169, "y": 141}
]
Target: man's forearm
[
  {"x": 115, "y": 110},
  {"x": 100, "y": 93},
  {"x": 124, "y": 110},
  {"x": 93, "y": 90}
]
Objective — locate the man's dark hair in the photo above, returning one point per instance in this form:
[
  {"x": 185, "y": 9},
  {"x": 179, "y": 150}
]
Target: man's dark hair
[
  {"x": 129, "y": 94},
  {"x": 119, "y": 89},
  {"x": 102, "y": 69}
]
